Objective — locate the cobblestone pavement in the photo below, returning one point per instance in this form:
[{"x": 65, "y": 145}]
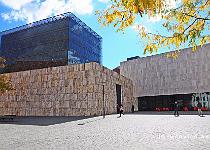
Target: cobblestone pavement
[{"x": 130, "y": 132}]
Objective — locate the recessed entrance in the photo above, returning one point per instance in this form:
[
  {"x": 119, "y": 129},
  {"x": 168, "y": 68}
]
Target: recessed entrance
[
  {"x": 118, "y": 92},
  {"x": 150, "y": 103}
]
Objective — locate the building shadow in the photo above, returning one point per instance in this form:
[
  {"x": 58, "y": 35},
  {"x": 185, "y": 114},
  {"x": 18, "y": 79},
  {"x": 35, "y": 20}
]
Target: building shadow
[
  {"x": 42, "y": 121},
  {"x": 168, "y": 113}
]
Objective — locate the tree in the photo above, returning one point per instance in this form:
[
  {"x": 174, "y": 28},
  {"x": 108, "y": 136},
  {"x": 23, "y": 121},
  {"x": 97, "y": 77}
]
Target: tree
[
  {"x": 4, "y": 80},
  {"x": 187, "y": 23}
]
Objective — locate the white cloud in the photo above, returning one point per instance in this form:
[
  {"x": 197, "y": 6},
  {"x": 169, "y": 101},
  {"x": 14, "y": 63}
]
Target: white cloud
[
  {"x": 33, "y": 10},
  {"x": 104, "y": 1},
  {"x": 84, "y": 7},
  {"x": 15, "y": 4},
  {"x": 137, "y": 27},
  {"x": 170, "y": 4},
  {"x": 5, "y": 16},
  {"x": 155, "y": 18}
]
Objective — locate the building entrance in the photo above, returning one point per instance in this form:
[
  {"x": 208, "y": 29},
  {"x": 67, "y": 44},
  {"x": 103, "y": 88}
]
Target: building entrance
[
  {"x": 118, "y": 92},
  {"x": 150, "y": 103}
]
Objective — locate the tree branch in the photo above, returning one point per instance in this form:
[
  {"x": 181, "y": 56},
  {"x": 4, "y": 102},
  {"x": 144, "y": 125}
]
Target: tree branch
[{"x": 199, "y": 18}]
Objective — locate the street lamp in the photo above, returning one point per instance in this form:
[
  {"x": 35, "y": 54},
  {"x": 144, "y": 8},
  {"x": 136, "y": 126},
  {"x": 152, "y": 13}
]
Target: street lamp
[
  {"x": 103, "y": 103},
  {"x": 103, "y": 84}
]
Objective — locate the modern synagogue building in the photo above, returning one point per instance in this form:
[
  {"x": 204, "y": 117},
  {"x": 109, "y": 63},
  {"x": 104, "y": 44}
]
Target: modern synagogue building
[
  {"x": 159, "y": 81},
  {"x": 54, "y": 67},
  {"x": 55, "y": 41}
]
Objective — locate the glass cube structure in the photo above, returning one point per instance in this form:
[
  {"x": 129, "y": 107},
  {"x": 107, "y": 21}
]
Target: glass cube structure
[{"x": 60, "y": 40}]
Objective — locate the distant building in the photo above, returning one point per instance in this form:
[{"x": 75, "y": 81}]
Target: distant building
[
  {"x": 132, "y": 58},
  {"x": 55, "y": 41},
  {"x": 117, "y": 69},
  {"x": 159, "y": 81}
]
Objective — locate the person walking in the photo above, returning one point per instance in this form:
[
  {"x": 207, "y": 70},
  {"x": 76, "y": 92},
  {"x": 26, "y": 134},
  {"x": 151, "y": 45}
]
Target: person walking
[
  {"x": 176, "y": 108},
  {"x": 121, "y": 110},
  {"x": 132, "y": 109},
  {"x": 199, "y": 105},
  {"x": 118, "y": 109}
]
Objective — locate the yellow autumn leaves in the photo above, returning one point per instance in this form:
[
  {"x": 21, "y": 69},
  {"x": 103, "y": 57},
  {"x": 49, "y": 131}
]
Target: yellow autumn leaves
[
  {"x": 4, "y": 80},
  {"x": 4, "y": 83},
  {"x": 188, "y": 23},
  {"x": 122, "y": 13}
]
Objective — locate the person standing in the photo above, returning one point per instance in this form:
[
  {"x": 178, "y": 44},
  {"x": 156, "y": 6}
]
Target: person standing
[
  {"x": 199, "y": 105},
  {"x": 176, "y": 108},
  {"x": 121, "y": 110},
  {"x": 132, "y": 109}
]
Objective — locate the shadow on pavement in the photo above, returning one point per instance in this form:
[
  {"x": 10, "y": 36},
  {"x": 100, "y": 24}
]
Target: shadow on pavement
[
  {"x": 42, "y": 121},
  {"x": 168, "y": 113}
]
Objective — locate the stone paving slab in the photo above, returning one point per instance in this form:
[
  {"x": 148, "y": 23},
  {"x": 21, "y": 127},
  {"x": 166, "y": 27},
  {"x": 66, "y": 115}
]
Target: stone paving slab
[{"x": 130, "y": 132}]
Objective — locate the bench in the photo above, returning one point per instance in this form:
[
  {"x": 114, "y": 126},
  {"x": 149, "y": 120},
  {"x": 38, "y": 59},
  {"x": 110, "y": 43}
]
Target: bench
[{"x": 7, "y": 117}]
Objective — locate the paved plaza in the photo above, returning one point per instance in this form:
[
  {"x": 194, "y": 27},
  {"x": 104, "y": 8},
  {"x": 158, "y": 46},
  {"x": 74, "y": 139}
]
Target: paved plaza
[{"x": 130, "y": 132}]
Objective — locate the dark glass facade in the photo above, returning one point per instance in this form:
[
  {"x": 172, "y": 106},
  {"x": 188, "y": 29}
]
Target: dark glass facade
[
  {"x": 83, "y": 45},
  {"x": 55, "y": 41}
]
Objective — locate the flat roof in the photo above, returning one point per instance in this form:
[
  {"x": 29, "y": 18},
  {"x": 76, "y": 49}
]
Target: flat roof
[
  {"x": 52, "y": 19},
  {"x": 164, "y": 54}
]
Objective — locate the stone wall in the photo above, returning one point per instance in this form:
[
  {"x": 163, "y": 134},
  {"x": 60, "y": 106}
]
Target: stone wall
[
  {"x": 73, "y": 90},
  {"x": 158, "y": 75}
]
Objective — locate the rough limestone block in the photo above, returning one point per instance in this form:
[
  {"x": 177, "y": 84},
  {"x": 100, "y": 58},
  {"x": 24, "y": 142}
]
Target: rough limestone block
[
  {"x": 81, "y": 67},
  {"x": 98, "y": 67},
  {"x": 76, "y": 67},
  {"x": 73, "y": 104},
  {"x": 78, "y": 104},
  {"x": 84, "y": 104},
  {"x": 66, "y": 83},
  {"x": 88, "y": 66},
  {"x": 63, "y": 91},
  {"x": 90, "y": 88}
]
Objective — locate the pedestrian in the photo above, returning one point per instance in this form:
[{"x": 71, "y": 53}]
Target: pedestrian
[
  {"x": 121, "y": 110},
  {"x": 176, "y": 108},
  {"x": 199, "y": 105},
  {"x": 132, "y": 109},
  {"x": 118, "y": 109}
]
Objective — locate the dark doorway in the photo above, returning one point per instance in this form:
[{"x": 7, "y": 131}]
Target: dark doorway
[
  {"x": 142, "y": 104},
  {"x": 118, "y": 92},
  {"x": 150, "y": 103}
]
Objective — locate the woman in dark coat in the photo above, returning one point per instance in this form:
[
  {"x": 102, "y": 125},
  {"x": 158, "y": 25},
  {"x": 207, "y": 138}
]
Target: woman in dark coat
[
  {"x": 121, "y": 110},
  {"x": 132, "y": 109},
  {"x": 199, "y": 109}
]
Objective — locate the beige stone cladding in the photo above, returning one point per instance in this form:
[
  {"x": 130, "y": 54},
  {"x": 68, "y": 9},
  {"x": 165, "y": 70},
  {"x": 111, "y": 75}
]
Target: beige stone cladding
[
  {"x": 73, "y": 90},
  {"x": 159, "y": 75}
]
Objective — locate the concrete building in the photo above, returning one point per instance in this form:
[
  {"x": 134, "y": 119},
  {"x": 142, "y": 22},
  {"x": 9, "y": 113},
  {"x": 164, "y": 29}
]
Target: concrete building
[
  {"x": 72, "y": 90},
  {"x": 159, "y": 81},
  {"x": 56, "y": 41}
]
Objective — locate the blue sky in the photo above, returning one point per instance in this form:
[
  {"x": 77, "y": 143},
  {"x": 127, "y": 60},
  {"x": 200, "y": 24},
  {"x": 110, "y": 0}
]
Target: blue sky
[{"x": 117, "y": 47}]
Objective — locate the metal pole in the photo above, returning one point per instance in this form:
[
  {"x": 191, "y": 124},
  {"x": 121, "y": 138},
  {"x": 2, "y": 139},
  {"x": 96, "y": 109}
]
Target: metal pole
[{"x": 103, "y": 104}]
